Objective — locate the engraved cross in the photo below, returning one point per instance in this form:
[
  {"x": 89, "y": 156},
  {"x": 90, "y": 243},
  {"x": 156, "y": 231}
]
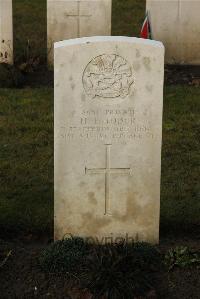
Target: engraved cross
[
  {"x": 107, "y": 171},
  {"x": 78, "y": 16}
]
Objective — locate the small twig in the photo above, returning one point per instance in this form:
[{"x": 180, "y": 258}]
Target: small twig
[{"x": 6, "y": 258}]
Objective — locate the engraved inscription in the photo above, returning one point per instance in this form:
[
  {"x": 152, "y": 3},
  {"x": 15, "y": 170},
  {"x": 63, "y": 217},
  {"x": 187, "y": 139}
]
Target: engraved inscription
[
  {"x": 107, "y": 171},
  {"x": 108, "y": 125},
  {"x": 78, "y": 17},
  {"x": 108, "y": 76}
]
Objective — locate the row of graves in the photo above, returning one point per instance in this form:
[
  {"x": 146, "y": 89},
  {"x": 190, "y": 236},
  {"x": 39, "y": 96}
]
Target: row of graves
[{"x": 175, "y": 23}]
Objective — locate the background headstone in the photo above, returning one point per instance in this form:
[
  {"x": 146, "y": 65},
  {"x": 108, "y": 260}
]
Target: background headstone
[
  {"x": 68, "y": 19},
  {"x": 177, "y": 24},
  {"x": 6, "y": 32},
  {"x": 108, "y": 127}
]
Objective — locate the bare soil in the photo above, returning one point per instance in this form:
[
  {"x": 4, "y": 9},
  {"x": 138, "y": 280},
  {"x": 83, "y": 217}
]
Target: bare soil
[
  {"x": 21, "y": 276},
  {"x": 182, "y": 74},
  {"x": 41, "y": 77}
]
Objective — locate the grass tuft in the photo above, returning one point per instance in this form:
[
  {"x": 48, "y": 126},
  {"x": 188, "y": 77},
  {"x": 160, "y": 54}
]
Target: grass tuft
[
  {"x": 64, "y": 256},
  {"x": 110, "y": 271}
]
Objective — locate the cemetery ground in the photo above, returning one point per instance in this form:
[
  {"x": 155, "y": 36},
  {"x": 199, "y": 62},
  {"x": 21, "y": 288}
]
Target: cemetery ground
[
  {"x": 26, "y": 210},
  {"x": 26, "y": 162}
]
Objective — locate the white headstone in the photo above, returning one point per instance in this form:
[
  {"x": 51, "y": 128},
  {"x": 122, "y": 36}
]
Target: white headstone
[
  {"x": 108, "y": 128},
  {"x": 68, "y": 19},
  {"x": 177, "y": 24},
  {"x": 6, "y": 32}
]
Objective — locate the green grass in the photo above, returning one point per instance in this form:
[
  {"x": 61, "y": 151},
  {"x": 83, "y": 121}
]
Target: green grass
[
  {"x": 127, "y": 17},
  {"x": 30, "y": 30},
  {"x": 180, "y": 189},
  {"x": 26, "y": 159}
]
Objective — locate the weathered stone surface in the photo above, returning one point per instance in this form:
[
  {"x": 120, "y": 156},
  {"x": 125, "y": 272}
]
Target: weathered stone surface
[
  {"x": 68, "y": 19},
  {"x": 6, "y": 32},
  {"x": 108, "y": 127},
  {"x": 177, "y": 24}
]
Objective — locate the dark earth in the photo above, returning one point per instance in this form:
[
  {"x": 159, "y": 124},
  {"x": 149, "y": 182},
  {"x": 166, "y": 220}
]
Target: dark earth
[
  {"x": 21, "y": 276},
  {"x": 179, "y": 74},
  {"x": 14, "y": 77}
]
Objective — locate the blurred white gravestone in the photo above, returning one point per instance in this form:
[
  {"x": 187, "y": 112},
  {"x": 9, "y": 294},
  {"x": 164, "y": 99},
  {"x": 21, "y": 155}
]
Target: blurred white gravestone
[
  {"x": 108, "y": 128},
  {"x": 177, "y": 24},
  {"x": 68, "y": 19},
  {"x": 6, "y": 32}
]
